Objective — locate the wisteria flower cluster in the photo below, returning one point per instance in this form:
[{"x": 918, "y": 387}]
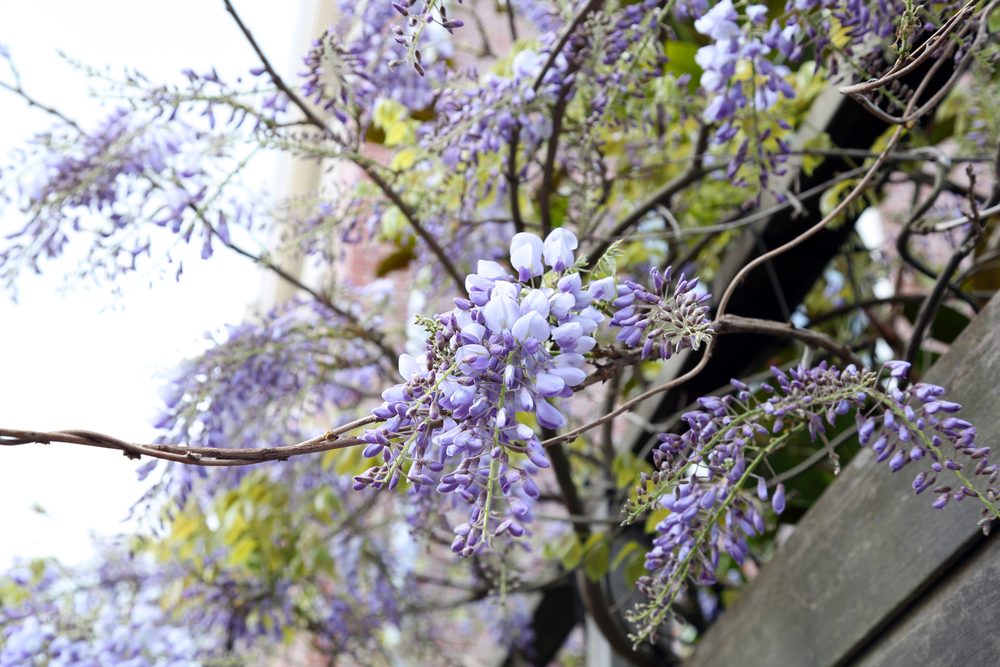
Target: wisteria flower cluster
[
  {"x": 736, "y": 47},
  {"x": 918, "y": 424},
  {"x": 703, "y": 475},
  {"x": 510, "y": 348},
  {"x": 294, "y": 365},
  {"x": 43, "y": 620},
  {"x": 67, "y": 180},
  {"x": 477, "y": 122},
  {"x": 354, "y": 63},
  {"x": 675, "y": 321}
]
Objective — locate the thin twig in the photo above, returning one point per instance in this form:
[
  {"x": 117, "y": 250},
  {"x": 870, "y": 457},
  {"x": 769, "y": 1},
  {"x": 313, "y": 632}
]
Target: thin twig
[
  {"x": 930, "y": 305},
  {"x": 692, "y": 174},
  {"x": 32, "y": 102},
  {"x": 923, "y": 50},
  {"x": 741, "y": 222},
  {"x": 902, "y": 241}
]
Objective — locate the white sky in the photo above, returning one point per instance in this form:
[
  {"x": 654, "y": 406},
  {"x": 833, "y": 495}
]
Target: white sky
[{"x": 74, "y": 362}]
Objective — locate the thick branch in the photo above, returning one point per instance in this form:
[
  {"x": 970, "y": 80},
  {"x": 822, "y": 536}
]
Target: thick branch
[
  {"x": 202, "y": 456},
  {"x": 548, "y": 169},
  {"x": 736, "y": 324}
]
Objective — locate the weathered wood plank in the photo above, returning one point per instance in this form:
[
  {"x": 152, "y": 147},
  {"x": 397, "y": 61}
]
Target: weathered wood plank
[
  {"x": 955, "y": 623},
  {"x": 867, "y": 547}
]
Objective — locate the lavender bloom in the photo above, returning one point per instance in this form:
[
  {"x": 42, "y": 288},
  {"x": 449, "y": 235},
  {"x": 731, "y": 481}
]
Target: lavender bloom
[
  {"x": 701, "y": 475},
  {"x": 526, "y": 255},
  {"x": 347, "y": 76},
  {"x": 509, "y": 349},
  {"x": 732, "y": 44},
  {"x": 673, "y": 322},
  {"x": 916, "y": 424},
  {"x": 558, "y": 249},
  {"x": 720, "y": 22}
]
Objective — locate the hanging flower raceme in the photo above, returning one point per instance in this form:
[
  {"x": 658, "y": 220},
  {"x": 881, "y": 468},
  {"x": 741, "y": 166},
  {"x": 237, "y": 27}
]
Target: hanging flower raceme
[
  {"x": 702, "y": 476},
  {"x": 675, "y": 321},
  {"x": 509, "y": 349},
  {"x": 918, "y": 424}
]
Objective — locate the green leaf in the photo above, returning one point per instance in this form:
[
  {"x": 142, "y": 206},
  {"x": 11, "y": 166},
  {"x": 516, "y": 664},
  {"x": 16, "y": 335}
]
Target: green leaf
[
  {"x": 635, "y": 568},
  {"x": 595, "y": 561},
  {"x": 572, "y": 557},
  {"x": 629, "y": 547},
  {"x": 655, "y": 518},
  {"x": 557, "y": 209},
  {"x": 242, "y": 551},
  {"x": 607, "y": 265},
  {"x": 832, "y": 197},
  {"x": 626, "y": 467},
  {"x": 682, "y": 61}
]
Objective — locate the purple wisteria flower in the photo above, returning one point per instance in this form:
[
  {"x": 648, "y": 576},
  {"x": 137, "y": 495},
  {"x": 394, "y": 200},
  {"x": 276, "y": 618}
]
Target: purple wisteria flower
[
  {"x": 918, "y": 424},
  {"x": 672, "y": 321},
  {"x": 733, "y": 45},
  {"x": 508, "y": 350},
  {"x": 351, "y": 66},
  {"x": 703, "y": 475}
]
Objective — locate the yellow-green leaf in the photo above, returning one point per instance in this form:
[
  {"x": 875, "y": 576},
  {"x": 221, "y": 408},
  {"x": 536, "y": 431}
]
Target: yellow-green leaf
[
  {"x": 595, "y": 561},
  {"x": 242, "y": 551},
  {"x": 819, "y": 142},
  {"x": 629, "y": 547}
]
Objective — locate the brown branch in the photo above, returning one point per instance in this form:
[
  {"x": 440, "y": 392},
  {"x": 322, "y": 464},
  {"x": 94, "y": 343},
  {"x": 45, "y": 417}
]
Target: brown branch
[
  {"x": 736, "y": 324},
  {"x": 924, "y": 51},
  {"x": 548, "y": 177},
  {"x": 202, "y": 456},
  {"x": 910, "y": 117},
  {"x": 512, "y": 180}
]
